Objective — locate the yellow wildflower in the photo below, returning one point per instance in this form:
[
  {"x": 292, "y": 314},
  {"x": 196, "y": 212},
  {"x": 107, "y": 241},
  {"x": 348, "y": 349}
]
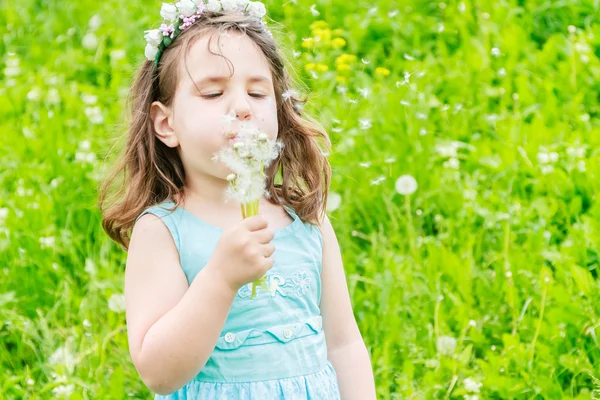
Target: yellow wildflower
[
  {"x": 338, "y": 32},
  {"x": 345, "y": 59},
  {"x": 341, "y": 79},
  {"x": 343, "y": 67},
  {"x": 322, "y": 67},
  {"x": 382, "y": 71},
  {"x": 310, "y": 66},
  {"x": 323, "y": 35},
  {"x": 308, "y": 43},
  {"x": 338, "y": 43},
  {"x": 319, "y": 25}
]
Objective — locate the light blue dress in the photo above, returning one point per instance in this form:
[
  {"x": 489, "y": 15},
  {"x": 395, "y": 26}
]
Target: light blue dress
[{"x": 272, "y": 346}]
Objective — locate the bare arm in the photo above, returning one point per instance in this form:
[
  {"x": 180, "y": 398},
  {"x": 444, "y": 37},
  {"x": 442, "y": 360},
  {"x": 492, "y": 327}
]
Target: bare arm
[
  {"x": 172, "y": 330},
  {"x": 346, "y": 349}
]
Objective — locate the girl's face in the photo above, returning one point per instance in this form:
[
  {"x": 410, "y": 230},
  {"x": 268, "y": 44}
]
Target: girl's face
[{"x": 209, "y": 107}]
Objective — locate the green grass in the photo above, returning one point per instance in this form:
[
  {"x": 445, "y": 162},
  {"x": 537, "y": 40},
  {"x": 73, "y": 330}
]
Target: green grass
[{"x": 496, "y": 253}]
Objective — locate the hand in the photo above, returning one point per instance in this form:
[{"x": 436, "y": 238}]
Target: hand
[{"x": 243, "y": 252}]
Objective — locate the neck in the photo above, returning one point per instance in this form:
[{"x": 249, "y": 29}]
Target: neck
[{"x": 210, "y": 191}]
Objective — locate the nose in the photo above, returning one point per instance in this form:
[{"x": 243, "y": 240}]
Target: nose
[
  {"x": 243, "y": 114},
  {"x": 241, "y": 107}
]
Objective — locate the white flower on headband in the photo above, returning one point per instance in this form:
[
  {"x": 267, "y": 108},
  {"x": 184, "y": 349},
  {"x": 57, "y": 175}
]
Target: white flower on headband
[
  {"x": 169, "y": 12},
  {"x": 187, "y": 8},
  {"x": 154, "y": 37},
  {"x": 229, "y": 5},
  {"x": 179, "y": 16},
  {"x": 257, "y": 9},
  {"x": 150, "y": 51}
]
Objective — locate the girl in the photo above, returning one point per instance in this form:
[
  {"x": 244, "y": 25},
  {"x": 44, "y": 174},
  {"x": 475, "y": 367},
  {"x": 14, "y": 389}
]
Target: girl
[{"x": 193, "y": 330}]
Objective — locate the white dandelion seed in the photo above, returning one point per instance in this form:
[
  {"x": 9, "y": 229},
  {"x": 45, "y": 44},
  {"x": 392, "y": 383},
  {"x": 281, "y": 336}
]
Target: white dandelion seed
[
  {"x": 297, "y": 53},
  {"x": 404, "y": 103},
  {"x": 313, "y": 10},
  {"x": 393, "y": 13},
  {"x": 352, "y": 100},
  {"x": 366, "y": 62},
  {"x": 365, "y": 123},
  {"x": 229, "y": 117},
  {"x": 496, "y": 52},
  {"x": 289, "y": 94},
  {"x": 364, "y": 92},
  {"x": 408, "y": 57},
  {"x": 365, "y": 164},
  {"x": 406, "y": 185},
  {"x": 377, "y": 180}
]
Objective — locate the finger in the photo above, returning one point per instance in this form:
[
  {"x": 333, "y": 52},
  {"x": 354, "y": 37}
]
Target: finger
[
  {"x": 255, "y": 223},
  {"x": 264, "y": 236},
  {"x": 268, "y": 263},
  {"x": 268, "y": 249}
]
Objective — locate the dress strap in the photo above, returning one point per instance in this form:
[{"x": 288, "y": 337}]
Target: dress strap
[{"x": 168, "y": 217}]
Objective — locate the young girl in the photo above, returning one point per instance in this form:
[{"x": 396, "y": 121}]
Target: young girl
[{"x": 194, "y": 331}]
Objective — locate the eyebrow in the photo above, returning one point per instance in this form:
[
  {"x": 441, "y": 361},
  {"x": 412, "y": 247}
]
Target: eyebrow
[{"x": 219, "y": 79}]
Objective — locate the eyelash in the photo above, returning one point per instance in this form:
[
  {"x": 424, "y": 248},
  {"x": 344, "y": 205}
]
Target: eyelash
[{"x": 215, "y": 95}]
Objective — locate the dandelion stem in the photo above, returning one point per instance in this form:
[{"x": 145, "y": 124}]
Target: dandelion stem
[{"x": 539, "y": 324}]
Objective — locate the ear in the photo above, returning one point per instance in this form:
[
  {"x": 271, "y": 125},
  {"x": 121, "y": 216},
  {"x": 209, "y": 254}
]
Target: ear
[{"x": 161, "y": 117}]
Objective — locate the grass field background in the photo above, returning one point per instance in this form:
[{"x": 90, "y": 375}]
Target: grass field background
[{"x": 482, "y": 284}]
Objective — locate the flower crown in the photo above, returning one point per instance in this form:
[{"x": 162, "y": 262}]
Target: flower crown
[{"x": 179, "y": 16}]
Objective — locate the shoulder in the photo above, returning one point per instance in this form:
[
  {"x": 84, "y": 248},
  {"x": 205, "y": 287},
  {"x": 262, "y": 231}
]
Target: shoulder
[{"x": 155, "y": 225}]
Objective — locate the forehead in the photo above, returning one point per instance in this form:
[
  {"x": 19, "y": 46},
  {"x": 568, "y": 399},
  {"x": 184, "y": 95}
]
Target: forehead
[{"x": 243, "y": 54}]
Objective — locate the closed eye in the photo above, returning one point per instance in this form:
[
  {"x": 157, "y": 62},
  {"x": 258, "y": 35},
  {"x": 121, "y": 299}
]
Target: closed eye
[{"x": 215, "y": 95}]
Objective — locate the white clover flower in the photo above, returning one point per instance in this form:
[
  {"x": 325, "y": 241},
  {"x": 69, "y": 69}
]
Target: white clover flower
[
  {"x": 89, "y": 99},
  {"x": 452, "y": 163},
  {"x": 34, "y": 94},
  {"x": 406, "y": 185},
  {"x": 47, "y": 242},
  {"x": 543, "y": 158},
  {"x": 62, "y": 356},
  {"x": 150, "y": 52},
  {"x": 187, "y": 8},
  {"x": 472, "y": 385},
  {"x": 213, "y": 5},
  {"x": 169, "y": 12},
  {"x": 495, "y": 52},
  {"x": 334, "y": 200},
  {"x": 95, "y": 22},
  {"x": 116, "y": 303},
  {"x": 90, "y": 41},
  {"x": 154, "y": 37},
  {"x": 94, "y": 114},
  {"x": 446, "y": 345},
  {"x": 64, "y": 390}
]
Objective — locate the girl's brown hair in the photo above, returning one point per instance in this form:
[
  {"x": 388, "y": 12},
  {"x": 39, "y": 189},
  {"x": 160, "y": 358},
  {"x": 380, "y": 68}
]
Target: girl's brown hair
[{"x": 148, "y": 172}]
